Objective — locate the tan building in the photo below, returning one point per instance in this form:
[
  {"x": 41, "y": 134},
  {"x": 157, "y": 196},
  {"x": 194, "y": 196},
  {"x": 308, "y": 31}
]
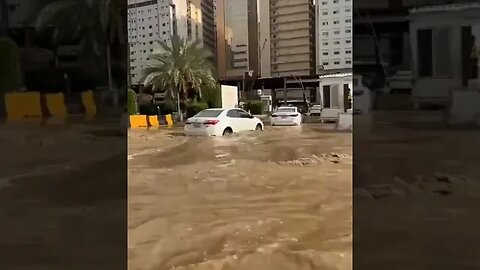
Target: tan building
[
  {"x": 208, "y": 25},
  {"x": 237, "y": 37},
  {"x": 287, "y": 37}
]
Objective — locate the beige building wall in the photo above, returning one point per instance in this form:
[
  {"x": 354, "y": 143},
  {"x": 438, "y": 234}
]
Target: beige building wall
[{"x": 292, "y": 29}]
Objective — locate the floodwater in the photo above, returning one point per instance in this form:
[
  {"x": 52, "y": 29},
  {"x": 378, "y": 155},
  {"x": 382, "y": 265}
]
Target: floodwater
[{"x": 278, "y": 199}]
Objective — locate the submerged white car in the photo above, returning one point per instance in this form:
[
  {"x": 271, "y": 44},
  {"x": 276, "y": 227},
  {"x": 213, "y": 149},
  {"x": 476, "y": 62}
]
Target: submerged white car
[
  {"x": 219, "y": 122},
  {"x": 286, "y": 116}
]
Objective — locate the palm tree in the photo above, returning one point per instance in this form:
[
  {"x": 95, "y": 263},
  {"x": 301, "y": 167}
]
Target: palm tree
[
  {"x": 180, "y": 69},
  {"x": 97, "y": 23}
]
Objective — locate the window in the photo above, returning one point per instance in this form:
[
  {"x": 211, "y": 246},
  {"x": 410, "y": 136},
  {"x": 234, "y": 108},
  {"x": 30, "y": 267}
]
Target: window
[
  {"x": 324, "y": 3},
  {"x": 348, "y": 62},
  {"x": 424, "y": 52},
  {"x": 325, "y": 63},
  {"x": 336, "y": 22},
  {"x": 151, "y": 34},
  {"x": 348, "y": 41},
  {"x": 433, "y": 50},
  {"x": 150, "y": 27},
  {"x": 233, "y": 113},
  {"x": 348, "y": 20},
  {"x": 325, "y": 53},
  {"x": 348, "y": 51},
  {"x": 336, "y": 62},
  {"x": 336, "y": 32},
  {"x": 335, "y": 1},
  {"x": 325, "y": 43},
  {"x": 336, "y": 11},
  {"x": 348, "y": 30},
  {"x": 325, "y": 34},
  {"x": 336, "y": 42},
  {"x": 324, "y": 23},
  {"x": 325, "y": 13},
  {"x": 336, "y": 53},
  {"x": 348, "y": 10}
]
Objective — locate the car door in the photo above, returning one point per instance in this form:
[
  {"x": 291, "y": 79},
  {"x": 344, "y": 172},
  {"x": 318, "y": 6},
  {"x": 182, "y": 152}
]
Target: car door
[
  {"x": 234, "y": 119},
  {"x": 248, "y": 123}
]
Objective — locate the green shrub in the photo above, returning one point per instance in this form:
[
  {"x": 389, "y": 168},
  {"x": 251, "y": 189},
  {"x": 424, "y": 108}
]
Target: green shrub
[
  {"x": 10, "y": 76},
  {"x": 149, "y": 109},
  {"x": 194, "y": 108},
  {"x": 167, "y": 107},
  {"x": 254, "y": 106},
  {"x": 212, "y": 95},
  {"x": 132, "y": 102}
]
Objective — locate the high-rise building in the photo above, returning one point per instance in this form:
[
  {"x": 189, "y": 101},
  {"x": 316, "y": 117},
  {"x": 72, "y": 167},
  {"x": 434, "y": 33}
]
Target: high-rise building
[
  {"x": 158, "y": 20},
  {"x": 237, "y": 37},
  {"x": 208, "y": 26},
  {"x": 334, "y": 35},
  {"x": 287, "y": 37}
]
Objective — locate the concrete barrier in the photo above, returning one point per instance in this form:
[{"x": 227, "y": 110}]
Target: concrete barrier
[
  {"x": 465, "y": 107},
  {"x": 345, "y": 121},
  {"x": 56, "y": 105},
  {"x": 23, "y": 105}
]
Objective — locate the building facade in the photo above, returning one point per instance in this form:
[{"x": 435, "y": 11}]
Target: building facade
[
  {"x": 158, "y": 20},
  {"x": 287, "y": 38},
  {"x": 334, "y": 45},
  {"x": 237, "y": 37}
]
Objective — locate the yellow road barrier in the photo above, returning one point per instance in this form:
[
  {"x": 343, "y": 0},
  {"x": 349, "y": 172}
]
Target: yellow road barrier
[
  {"x": 153, "y": 121},
  {"x": 23, "y": 105},
  {"x": 88, "y": 101},
  {"x": 169, "y": 120},
  {"x": 56, "y": 105},
  {"x": 137, "y": 121}
]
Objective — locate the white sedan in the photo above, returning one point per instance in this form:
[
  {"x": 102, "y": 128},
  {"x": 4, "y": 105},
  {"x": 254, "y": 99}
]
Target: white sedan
[
  {"x": 286, "y": 116},
  {"x": 219, "y": 122}
]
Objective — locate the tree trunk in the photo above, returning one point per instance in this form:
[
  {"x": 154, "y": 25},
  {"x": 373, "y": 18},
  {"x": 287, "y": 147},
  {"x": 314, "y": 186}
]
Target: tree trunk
[
  {"x": 113, "y": 92},
  {"x": 179, "y": 108}
]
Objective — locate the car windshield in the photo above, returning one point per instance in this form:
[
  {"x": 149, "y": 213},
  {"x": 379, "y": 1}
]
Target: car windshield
[
  {"x": 209, "y": 113},
  {"x": 289, "y": 110}
]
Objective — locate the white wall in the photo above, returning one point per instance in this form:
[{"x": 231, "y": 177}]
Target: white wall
[
  {"x": 435, "y": 87},
  {"x": 335, "y": 83},
  {"x": 229, "y": 96}
]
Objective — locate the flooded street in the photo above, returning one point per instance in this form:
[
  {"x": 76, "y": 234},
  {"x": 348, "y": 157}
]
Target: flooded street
[{"x": 278, "y": 199}]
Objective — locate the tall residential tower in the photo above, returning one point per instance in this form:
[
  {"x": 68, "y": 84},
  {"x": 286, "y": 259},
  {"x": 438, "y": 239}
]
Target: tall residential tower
[
  {"x": 334, "y": 35},
  {"x": 158, "y": 20},
  {"x": 287, "y": 37}
]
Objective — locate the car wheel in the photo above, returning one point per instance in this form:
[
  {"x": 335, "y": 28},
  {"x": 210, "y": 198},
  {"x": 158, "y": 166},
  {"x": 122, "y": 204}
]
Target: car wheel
[
  {"x": 258, "y": 127},
  {"x": 227, "y": 131}
]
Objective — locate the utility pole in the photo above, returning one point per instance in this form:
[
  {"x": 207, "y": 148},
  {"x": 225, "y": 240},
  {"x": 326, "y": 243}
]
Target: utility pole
[{"x": 285, "y": 90}]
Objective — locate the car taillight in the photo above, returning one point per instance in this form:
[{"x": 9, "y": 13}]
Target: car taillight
[
  {"x": 293, "y": 115},
  {"x": 210, "y": 122}
]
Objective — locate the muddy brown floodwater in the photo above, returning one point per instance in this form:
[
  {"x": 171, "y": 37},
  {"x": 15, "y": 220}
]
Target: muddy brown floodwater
[{"x": 278, "y": 199}]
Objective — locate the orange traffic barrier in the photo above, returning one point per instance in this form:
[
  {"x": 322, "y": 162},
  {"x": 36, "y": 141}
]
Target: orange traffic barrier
[
  {"x": 21, "y": 105},
  {"x": 137, "y": 121}
]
